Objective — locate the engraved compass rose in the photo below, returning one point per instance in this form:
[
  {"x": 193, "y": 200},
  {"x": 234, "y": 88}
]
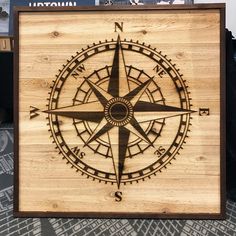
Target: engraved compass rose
[
  {"x": 119, "y": 111},
  {"x": 115, "y": 117}
]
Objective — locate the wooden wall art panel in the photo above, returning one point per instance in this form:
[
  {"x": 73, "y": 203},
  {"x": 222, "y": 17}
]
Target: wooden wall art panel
[{"x": 119, "y": 112}]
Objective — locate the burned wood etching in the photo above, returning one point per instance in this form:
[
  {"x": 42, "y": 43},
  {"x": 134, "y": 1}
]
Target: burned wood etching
[
  {"x": 126, "y": 123},
  {"x": 129, "y": 124}
]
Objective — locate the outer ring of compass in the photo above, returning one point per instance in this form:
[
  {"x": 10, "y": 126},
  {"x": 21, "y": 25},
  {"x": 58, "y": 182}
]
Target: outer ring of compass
[
  {"x": 179, "y": 84},
  {"x": 134, "y": 142}
]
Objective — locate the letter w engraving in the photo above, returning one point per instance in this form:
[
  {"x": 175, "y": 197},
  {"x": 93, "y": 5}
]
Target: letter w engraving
[{"x": 33, "y": 112}]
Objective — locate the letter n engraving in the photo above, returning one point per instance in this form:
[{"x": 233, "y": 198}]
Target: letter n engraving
[{"x": 119, "y": 26}]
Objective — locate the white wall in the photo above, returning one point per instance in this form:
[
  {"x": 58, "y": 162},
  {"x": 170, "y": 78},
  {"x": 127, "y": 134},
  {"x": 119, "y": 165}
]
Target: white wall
[
  {"x": 231, "y": 16},
  {"x": 230, "y": 12}
]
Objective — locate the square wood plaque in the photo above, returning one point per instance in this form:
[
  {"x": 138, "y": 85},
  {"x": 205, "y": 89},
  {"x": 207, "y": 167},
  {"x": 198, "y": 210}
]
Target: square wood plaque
[{"x": 120, "y": 112}]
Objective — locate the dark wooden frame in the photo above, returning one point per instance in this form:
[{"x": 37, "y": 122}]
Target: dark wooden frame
[{"x": 222, "y": 214}]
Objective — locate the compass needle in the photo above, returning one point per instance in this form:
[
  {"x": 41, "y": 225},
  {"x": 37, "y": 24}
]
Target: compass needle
[
  {"x": 92, "y": 111},
  {"x": 101, "y": 94},
  {"x": 101, "y": 129},
  {"x": 135, "y": 94},
  {"x": 119, "y": 138},
  {"x": 136, "y": 129},
  {"x": 118, "y": 84},
  {"x": 146, "y": 111}
]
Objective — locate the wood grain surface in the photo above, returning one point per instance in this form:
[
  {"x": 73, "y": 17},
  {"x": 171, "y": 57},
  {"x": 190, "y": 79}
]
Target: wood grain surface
[{"x": 188, "y": 181}]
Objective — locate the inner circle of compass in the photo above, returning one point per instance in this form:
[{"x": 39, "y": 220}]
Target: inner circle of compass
[
  {"x": 135, "y": 143},
  {"x": 118, "y": 111},
  {"x": 147, "y": 129}
]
